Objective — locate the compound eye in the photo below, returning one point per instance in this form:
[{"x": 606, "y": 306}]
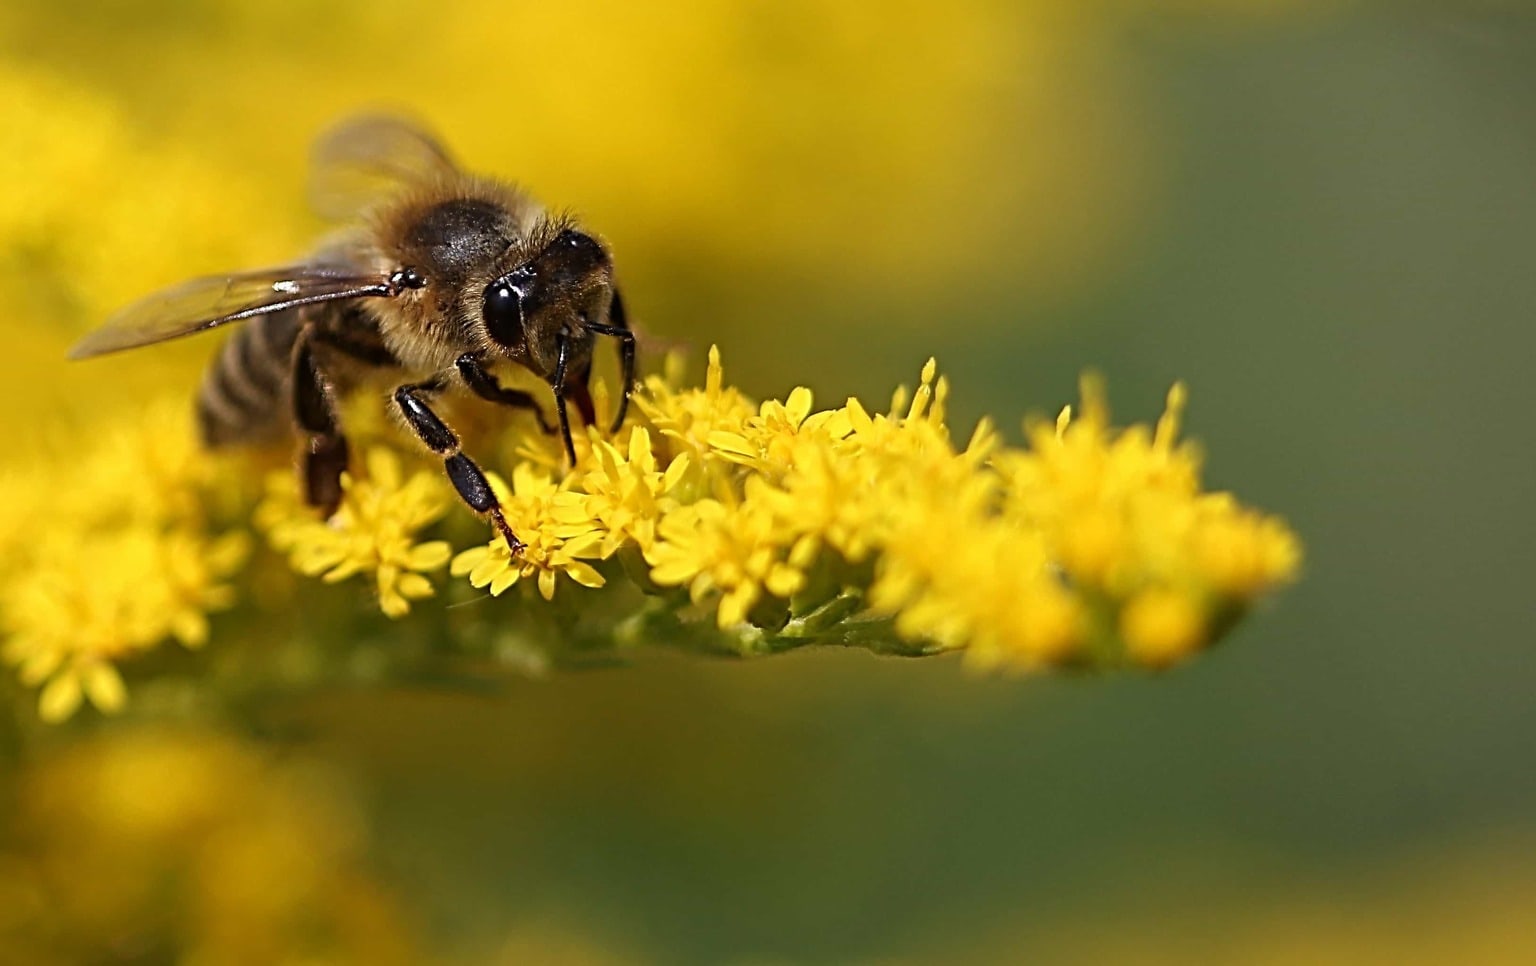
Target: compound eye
[{"x": 504, "y": 312}]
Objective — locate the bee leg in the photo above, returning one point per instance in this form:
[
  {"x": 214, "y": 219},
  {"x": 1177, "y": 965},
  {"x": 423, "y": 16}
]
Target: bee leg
[
  {"x": 618, "y": 327},
  {"x": 325, "y": 455},
  {"x": 484, "y": 385},
  {"x": 466, "y": 477},
  {"x": 560, "y": 388}
]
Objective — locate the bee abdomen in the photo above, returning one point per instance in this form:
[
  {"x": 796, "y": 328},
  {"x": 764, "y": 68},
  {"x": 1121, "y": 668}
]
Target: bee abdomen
[{"x": 244, "y": 395}]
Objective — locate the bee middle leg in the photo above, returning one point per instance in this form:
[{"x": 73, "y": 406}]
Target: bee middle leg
[{"x": 465, "y": 475}]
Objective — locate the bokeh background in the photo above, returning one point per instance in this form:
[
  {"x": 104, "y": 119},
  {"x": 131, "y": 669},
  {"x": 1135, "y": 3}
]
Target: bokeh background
[{"x": 1322, "y": 215}]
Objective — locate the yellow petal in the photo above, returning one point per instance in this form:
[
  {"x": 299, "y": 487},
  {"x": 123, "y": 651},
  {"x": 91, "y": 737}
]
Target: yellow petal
[
  {"x": 798, "y": 405},
  {"x": 190, "y": 627},
  {"x": 639, "y": 445},
  {"x": 104, "y": 686},
  {"x": 735, "y": 604},
  {"x": 584, "y": 574},
  {"x": 731, "y": 443},
  {"x": 858, "y": 417},
  {"x": 37, "y": 666},
  {"x": 1161, "y": 627},
  {"x": 414, "y": 586},
  {"x": 468, "y": 560},
  {"x": 60, "y": 699},
  {"x": 429, "y": 556},
  {"x": 673, "y": 572},
  {"x": 488, "y": 570},
  {"x": 393, "y": 605},
  {"x": 501, "y": 581},
  {"x": 783, "y": 581}
]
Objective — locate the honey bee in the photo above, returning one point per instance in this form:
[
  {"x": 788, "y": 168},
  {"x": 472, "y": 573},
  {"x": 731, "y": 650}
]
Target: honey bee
[{"x": 442, "y": 275}]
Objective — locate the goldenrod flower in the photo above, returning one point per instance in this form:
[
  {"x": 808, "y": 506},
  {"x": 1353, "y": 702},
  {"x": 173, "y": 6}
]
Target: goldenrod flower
[
  {"x": 92, "y": 599},
  {"x": 626, "y": 494},
  {"x": 373, "y": 531},
  {"x": 691, "y": 419},
  {"x": 558, "y": 536},
  {"x": 753, "y": 527},
  {"x": 130, "y": 559},
  {"x": 1122, "y": 514},
  {"x": 195, "y": 843},
  {"x": 736, "y": 551}
]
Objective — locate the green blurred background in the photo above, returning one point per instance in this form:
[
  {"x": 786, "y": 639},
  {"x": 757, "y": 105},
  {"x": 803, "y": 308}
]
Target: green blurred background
[{"x": 1320, "y": 215}]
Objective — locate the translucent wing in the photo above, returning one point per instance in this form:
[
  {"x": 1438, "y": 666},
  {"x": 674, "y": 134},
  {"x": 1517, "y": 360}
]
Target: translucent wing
[
  {"x": 361, "y": 160},
  {"x": 205, "y": 303}
]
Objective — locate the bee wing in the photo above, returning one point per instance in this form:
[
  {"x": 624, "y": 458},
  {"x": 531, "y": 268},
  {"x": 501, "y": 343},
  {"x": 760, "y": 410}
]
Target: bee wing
[
  {"x": 205, "y": 303},
  {"x": 365, "y": 158}
]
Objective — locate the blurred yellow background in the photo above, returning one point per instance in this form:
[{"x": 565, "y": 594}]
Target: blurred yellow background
[{"x": 1319, "y": 214}]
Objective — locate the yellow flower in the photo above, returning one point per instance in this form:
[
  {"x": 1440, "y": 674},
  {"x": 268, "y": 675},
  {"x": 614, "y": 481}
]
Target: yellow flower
[
  {"x": 690, "y": 418},
  {"x": 768, "y": 441},
  {"x": 1122, "y": 513},
  {"x": 627, "y": 493},
  {"x": 129, "y": 559},
  {"x": 535, "y": 510},
  {"x": 1096, "y": 546},
  {"x": 373, "y": 532},
  {"x": 1161, "y": 626},
  {"x": 261, "y": 857},
  {"x": 95, "y": 599},
  {"x": 735, "y": 551}
]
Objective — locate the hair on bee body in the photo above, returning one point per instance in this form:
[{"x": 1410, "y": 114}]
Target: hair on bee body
[{"x": 441, "y": 276}]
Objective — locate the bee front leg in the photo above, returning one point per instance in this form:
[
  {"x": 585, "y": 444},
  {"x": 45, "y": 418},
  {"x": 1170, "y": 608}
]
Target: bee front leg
[
  {"x": 560, "y": 387},
  {"x": 467, "y": 477},
  {"x": 484, "y": 385},
  {"x": 325, "y": 455}
]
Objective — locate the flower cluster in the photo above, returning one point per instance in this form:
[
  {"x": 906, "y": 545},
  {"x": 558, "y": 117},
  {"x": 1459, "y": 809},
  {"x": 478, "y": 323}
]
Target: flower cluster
[
  {"x": 373, "y": 531},
  {"x": 197, "y": 843},
  {"x": 773, "y": 526},
  {"x": 132, "y": 557}
]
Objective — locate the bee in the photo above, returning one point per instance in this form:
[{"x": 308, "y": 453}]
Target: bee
[{"x": 442, "y": 275}]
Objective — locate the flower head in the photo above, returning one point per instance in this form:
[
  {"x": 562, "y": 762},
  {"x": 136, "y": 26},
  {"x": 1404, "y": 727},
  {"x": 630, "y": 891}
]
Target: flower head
[
  {"x": 93, "y": 600},
  {"x": 558, "y": 537},
  {"x": 627, "y": 492},
  {"x": 373, "y": 532},
  {"x": 733, "y": 551},
  {"x": 690, "y": 419}
]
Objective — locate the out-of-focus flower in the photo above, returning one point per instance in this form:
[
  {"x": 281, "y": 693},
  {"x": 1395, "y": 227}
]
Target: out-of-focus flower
[
  {"x": 130, "y": 558},
  {"x": 197, "y": 846},
  {"x": 1122, "y": 514}
]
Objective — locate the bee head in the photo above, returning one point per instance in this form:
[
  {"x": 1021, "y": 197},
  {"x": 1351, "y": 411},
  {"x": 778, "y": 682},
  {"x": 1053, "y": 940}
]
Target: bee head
[{"x": 565, "y": 285}]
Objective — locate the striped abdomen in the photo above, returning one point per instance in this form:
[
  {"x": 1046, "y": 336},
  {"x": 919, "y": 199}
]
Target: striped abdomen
[{"x": 245, "y": 390}]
